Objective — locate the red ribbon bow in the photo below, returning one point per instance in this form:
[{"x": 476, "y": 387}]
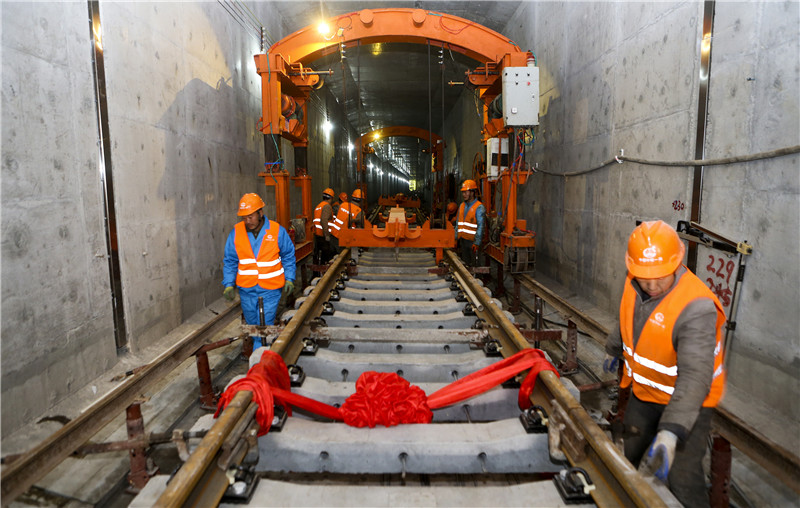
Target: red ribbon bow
[{"x": 381, "y": 397}]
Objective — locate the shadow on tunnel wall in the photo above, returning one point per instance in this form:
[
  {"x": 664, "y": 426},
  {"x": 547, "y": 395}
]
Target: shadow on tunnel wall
[{"x": 210, "y": 161}]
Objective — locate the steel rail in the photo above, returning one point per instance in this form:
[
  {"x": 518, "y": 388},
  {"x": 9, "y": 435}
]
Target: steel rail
[
  {"x": 197, "y": 467},
  {"x": 21, "y": 474},
  {"x": 773, "y": 457},
  {"x": 470, "y": 294},
  {"x": 776, "y": 459},
  {"x": 596, "y": 331},
  {"x": 625, "y": 483}
]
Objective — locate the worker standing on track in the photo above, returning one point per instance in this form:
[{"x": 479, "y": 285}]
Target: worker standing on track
[
  {"x": 356, "y": 213},
  {"x": 350, "y": 214},
  {"x": 670, "y": 337},
  {"x": 259, "y": 259},
  {"x": 323, "y": 214},
  {"x": 470, "y": 221},
  {"x": 336, "y": 204}
]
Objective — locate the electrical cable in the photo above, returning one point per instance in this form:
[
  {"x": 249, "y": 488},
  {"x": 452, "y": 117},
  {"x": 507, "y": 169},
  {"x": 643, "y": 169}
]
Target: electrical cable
[
  {"x": 237, "y": 17},
  {"x": 430, "y": 122},
  {"x": 708, "y": 162},
  {"x": 243, "y": 16},
  {"x": 268, "y": 38},
  {"x": 361, "y": 156}
]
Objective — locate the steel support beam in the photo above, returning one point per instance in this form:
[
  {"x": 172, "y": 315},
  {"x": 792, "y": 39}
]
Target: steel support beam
[
  {"x": 595, "y": 330},
  {"x": 33, "y": 465}
]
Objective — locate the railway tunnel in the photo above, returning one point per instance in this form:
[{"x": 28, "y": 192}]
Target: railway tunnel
[{"x": 575, "y": 122}]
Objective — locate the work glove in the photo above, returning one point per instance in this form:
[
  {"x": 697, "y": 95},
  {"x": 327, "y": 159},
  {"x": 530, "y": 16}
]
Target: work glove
[
  {"x": 610, "y": 364},
  {"x": 288, "y": 287},
  {"x": 475, "y": 247},
  {"x": 229, "y": 293},
  {"x": 660, "y": 456}
]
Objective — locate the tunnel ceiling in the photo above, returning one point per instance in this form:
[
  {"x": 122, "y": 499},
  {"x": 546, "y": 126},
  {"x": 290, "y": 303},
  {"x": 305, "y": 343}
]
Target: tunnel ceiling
[{"x": 389, "y": 84}]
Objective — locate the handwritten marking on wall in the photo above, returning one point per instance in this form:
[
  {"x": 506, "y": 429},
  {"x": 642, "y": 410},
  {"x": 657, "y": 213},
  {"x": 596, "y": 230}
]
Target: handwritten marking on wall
[{"x": 719, "y": 278}]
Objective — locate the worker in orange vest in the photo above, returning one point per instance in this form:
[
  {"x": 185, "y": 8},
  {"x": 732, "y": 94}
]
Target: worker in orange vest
[
  {"x": 336, "y": 204},
  {"x": 356, "y": 213},
  {"x": 452, "y": 208},
  {"x": 470, "y": 221},
  {"x": 323, "y": 214},
  {"x": 350, "y": 214},
  {"x": 260, "y": 260},
  {"x": 670, "y": 338}
]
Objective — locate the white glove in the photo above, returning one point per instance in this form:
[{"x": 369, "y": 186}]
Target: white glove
[{"x": 660, "y": 456}]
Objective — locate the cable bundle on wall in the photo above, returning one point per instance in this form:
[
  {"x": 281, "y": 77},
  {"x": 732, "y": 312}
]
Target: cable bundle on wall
[
  {"x": 708, "y": 162},
  {"x": 247, "y": 20}
]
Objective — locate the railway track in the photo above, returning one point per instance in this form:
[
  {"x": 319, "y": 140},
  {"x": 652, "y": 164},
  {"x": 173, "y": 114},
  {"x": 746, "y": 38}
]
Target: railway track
[
  {"x": 397, "y": 312},
  {"x": 379, "y": 311}
]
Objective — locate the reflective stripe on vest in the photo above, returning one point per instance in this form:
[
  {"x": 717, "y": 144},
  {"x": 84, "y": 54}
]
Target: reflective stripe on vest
[
  {"x": 468, "y": 225},
  {"x": 319, "y": 230},
  {"x": 266, "y": 270},
  {"x": 341, "y": 220},
  {"x": 652, "y": 364},
  {"x": 347, "y": 212}
]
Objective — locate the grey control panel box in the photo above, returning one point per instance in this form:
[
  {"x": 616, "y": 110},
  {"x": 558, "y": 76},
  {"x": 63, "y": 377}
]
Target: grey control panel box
[{"x": 521, "y": 96}]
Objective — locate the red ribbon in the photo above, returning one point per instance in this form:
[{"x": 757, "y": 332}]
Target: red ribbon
[
  {"x": 387, "y": 399},
  {"x": 381, "y": 397}
]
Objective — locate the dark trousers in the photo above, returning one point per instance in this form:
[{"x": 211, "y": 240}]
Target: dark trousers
[
  {"x": 322, "y": 250},
  {"x": 686, "y": 478},
  {"x": 468, "y": 257}
]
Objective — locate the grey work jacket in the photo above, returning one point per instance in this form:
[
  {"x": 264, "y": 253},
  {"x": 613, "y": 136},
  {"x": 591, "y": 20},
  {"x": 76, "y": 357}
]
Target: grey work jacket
[{"x": 694, "y": 340}]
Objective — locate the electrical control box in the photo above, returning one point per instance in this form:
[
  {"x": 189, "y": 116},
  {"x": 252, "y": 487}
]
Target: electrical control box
[
  {"x": 521, "y": 96},
  {"x": 496, "y": 157}
]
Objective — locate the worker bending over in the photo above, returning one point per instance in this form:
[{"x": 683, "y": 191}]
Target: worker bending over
[
  {"x": 350, "y": 214},
  {"x": 260, "y": 260},
  {"x": 452, "y": 208},
  {"x": 323, "y": 214},
  {"x": 470, "y": 220},
  {"x": 670, "y": 337}
]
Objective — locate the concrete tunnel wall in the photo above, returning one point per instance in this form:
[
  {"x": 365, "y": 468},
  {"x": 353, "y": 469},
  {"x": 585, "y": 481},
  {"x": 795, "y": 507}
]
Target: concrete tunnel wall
[
  {"x": 57, "y": 325},
  {"x": 184, "y": 100},
  {"x": 630, "y": 81}
]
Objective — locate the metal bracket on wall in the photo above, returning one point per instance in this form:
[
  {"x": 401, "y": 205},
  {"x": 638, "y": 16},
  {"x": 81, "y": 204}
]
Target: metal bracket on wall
[
  {"x": 697, "y": 234},
  {"x": 694, "y": 232}
]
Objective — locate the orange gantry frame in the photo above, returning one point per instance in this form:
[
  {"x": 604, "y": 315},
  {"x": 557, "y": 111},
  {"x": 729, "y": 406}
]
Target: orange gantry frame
[
  {"x": 397, "y": 233},
  {"x": 287, "y": 78}
]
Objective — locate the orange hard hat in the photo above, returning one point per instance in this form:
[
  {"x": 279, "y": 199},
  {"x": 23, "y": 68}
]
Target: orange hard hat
[
  {"x": 357, "y": 194},
  {"x": 250, "y": 203},
  {"x": 654, "y": 250},
  {"x": 469, "y": 185},
  {"x": 328, "y": 192},
  {"x": 342, "y": 197},
  {"x": 451, "y": 207}
]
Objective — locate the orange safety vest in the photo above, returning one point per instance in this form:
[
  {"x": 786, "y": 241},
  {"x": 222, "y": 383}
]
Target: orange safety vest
[
  {"x": 652, "y": 366},
  {"x": 319, "y": 229},
  {"x": 468, "y": 225},
  {"x": 267, "y": 269},
  {"x": 347, "y": 212}
]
